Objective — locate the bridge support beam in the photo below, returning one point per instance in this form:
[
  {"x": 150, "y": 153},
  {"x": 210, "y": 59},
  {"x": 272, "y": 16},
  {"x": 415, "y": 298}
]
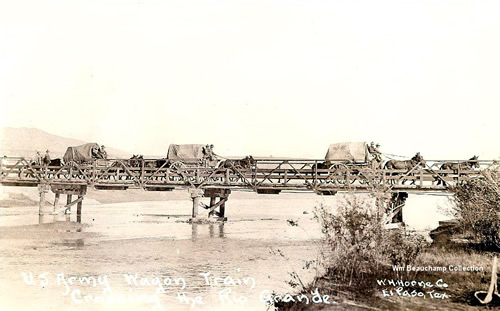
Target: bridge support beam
[
  {"x": 223, "y": 196},
  {"x": 79, "y": 209},
  {"x": 395, "y": 208},
  {"x": 69, "y": 190}
]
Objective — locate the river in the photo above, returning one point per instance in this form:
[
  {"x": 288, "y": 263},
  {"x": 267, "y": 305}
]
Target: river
[{"x": 146, "y": 256}]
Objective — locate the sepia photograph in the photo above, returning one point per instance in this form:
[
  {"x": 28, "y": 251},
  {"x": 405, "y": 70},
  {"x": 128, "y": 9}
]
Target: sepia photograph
[{"x": 261, "y": 155}]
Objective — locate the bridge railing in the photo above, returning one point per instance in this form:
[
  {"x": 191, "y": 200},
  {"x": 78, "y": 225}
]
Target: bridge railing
[{"x": 279, "y": 174}]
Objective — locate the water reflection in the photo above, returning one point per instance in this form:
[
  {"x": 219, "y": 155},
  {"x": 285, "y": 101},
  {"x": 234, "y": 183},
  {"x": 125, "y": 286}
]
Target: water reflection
[
  {"x": 194, "y": 232},
  {"x": 215, "y": 230},
  {"x": 220, "y": 228},
  {"x": 46, "y": 219}
]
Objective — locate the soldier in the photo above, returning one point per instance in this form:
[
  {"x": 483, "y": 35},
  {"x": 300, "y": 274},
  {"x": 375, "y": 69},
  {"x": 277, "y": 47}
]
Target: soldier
[
  {"x": 46, "y": 158},
  {"x": 208, "y": 152},
  {"x": 211, "y": 154},
  {"x": 103, "y": 152},
  {"x": 377, "y": 154},
  {"x": 39, "y": 158}
]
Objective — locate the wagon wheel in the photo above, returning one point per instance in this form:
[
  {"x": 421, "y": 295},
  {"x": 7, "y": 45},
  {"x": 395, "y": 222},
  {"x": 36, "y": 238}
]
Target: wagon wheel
[
  {"x": 340, "y": 169},
  {"x": 177, "y": 165}
]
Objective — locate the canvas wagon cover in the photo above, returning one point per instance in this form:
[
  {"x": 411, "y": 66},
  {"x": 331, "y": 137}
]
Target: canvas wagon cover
[
  {"x": 185, "y": 152},
  {"x": 82, "y": 153},
  {"x": 351, "y": 151}
]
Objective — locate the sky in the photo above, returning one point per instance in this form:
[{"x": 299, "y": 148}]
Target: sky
[{"x": 280, "y": 78}]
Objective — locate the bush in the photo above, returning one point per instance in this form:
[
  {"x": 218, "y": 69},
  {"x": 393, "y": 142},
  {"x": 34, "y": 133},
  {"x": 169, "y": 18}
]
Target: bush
[
  {"x": 403, "y": 248},
  {"x": 360, "y": 249},
  {"x": 477, "y": 207}
]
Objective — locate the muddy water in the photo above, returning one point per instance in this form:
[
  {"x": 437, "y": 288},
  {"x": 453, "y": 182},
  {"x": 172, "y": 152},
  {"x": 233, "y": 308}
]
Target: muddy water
[
  {"x": 251, "y": 254},
  {"x": 219, "y": 266}
]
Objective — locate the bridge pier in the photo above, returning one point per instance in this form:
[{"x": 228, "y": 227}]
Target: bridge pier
[
  {"x": 195, "y": 196},
  {"x": 223, "y": 195},
  {"x": 395, "y": 208},
  {"x": 42, "y": 209},
  {"x": 69, "y": 190}
]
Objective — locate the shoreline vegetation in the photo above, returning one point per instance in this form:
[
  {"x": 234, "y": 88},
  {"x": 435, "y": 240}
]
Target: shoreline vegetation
[{"x": 366, "y": 267}]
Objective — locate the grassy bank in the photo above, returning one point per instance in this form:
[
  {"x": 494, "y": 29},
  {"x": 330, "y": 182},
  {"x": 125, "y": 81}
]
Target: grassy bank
[
  {"x": 367, "y": 267},
  {"x": 440, "y": 290}
]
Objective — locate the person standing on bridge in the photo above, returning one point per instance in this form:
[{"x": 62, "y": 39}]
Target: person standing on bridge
[
  {"x": 38, "y": 158},
  {"x": 46, "y": 159}
]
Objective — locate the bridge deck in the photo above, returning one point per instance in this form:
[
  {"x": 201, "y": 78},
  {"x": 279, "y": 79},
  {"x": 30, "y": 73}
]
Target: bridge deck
[{"x": 267, "y": 176}]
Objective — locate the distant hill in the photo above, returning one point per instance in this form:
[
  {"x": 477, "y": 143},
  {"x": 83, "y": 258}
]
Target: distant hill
[{"x": 25, "y": 142}]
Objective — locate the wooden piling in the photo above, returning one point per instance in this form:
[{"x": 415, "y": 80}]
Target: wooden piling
[
  {"x": 212, "y": 203},
  {"x": 223, "y": 196},
  {"x": 42, "y": 189},
  {"x": 196, "y": 204},
  {"x": 79, "y": 209},
  {"x": 222, "y": 210},
  {"x": 56, "y": 202},
  {"x": 42, "y": 203}
]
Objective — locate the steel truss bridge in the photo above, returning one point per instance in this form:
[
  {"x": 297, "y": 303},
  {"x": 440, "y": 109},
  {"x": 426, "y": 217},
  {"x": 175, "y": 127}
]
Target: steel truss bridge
[{"x": 267, "y": 176}]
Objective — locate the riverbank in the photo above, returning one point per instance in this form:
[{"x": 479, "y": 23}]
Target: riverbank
[{"x": 440, "y": 279}]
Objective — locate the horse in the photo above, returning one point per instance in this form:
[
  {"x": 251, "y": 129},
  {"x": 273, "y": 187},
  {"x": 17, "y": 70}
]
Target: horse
[
  {"x": 455, "y": 166},
  {"x": 319, "y": 166},
  {"x": 56, "y": 162},
  {"x": 136, "y": 160},
  {"x": 469, "y": 164},
  {"x": 417, "y": 159},
  {"x": 46, "y": 162},
  {"x": 246, "y": 163},
  {"x": 406, "y": 164},
  {"x": 162, "y": 162}
]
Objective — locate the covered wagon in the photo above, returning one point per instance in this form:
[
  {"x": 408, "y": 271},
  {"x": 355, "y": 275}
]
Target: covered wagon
[
  {"x": 352, "y": 154},
  {"x": 191, "y": 155},
  {"x": 83, "y": 153}
]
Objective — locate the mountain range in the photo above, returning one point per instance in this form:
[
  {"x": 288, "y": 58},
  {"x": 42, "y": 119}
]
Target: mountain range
[{"x": 25, "y": 142}]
